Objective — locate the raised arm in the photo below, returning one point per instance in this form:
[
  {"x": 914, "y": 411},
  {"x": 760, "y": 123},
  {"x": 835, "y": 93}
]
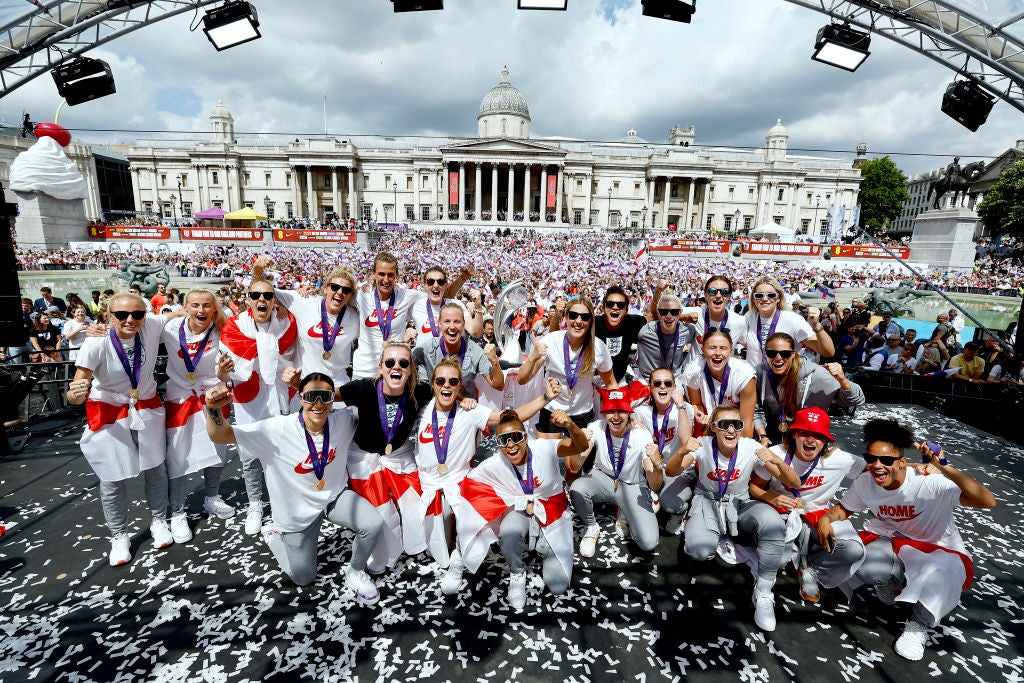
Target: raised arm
[
  {"x": 219, "y": 429},
  {"x": 533, "y": 363},
  {"x": 551, "y": 390},
  {"x": 973, "y": 494}
]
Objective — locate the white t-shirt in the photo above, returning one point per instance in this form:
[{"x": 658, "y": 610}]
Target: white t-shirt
[
  {"x": 791, "y": 323},
  {"x": 97, "y": 354},
  {"x": 279, "y": 443},
  {"x": 921, "y": 508},
  {"x": 371, "y": 339},
  {"x": 644, "y": 415},
  {"x": 206, "y": 372},
  {"x": 69, "y": 327},
  {"x": 734, "y": 323},
  {"x": 633, "y": 468},
  {"x": 461, "y": 443},
  {"x": 582, "y": 399},
  {"x": 885, "y": 359},
  {"x": 824, "y": 480},
  {"x": 424, "y": 332},
  {"x": 740, "y": 374},
  {"x": 311, "y": 335},
  {"x": 710, "y": 472}
]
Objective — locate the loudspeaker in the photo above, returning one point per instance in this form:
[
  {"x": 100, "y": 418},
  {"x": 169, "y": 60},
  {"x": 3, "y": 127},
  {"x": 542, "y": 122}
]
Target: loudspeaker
[{"x": 12, "y": 327}]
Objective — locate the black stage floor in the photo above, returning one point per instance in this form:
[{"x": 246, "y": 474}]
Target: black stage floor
[{"x": 217, "y": 608}]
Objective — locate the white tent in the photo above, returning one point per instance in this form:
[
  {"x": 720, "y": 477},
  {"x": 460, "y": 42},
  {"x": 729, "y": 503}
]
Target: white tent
[{"x": 774, "y": 232}]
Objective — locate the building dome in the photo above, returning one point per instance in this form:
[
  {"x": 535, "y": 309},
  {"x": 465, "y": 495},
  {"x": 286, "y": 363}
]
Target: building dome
[
  {"x": 221, "y": 112},
  {"x": 223, "y": 124},
  {"x": 778, "y": 129},
  {"x": 633, "y": 138},
  {"x": 504, "y": 98}
]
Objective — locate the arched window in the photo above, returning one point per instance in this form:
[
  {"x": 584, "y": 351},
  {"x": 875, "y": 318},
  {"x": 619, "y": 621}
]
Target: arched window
[
  {"x": 504, "y": 126},
  {"x": 485, "y": 127}
]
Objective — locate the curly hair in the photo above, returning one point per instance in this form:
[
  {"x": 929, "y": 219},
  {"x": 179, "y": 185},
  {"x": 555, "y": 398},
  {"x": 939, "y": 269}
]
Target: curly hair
[{"x": 888, "y": 431}]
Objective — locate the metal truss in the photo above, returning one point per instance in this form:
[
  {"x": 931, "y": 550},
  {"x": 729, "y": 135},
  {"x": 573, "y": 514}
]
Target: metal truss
[
  {"x": 56, "y": 31},
  {"x": 973, "y": 47}
]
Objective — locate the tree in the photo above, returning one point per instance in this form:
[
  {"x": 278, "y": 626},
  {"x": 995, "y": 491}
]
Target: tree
[
  {"x": 1002, "y": 209},
  {"x": 883, "y": 189}
]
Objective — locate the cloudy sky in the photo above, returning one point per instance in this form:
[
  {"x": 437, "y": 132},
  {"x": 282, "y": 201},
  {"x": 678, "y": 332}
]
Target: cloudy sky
[{"x": 591, "y": 73}]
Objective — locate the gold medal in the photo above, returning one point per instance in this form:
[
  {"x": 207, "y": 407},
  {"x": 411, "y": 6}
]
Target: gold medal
[
  {"x": 326, "y": 355},
  {"x": 134, "y": 394},
  {"x": 190, "y": 376},
  {"x": 319, "y": 484},
  {"x": 529, "y": 508},
  {"x": 442, "y": 468},
  {"x": 616, "y": 484},
  {"x": 387, "y": 450},
  {"x": 783, "y": 426},
  {"x": 801, "y": 503}
]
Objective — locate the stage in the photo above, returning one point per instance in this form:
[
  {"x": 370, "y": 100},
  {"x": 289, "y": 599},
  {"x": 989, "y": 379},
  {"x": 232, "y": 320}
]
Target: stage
[{"x": 218, "y": 608}]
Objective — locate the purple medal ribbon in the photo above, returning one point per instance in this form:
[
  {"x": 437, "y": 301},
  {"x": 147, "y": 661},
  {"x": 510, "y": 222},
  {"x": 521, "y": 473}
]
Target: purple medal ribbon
[
  {"x": 661, "y": 434},
  {"x": 707, "y": 320},
  {"x": 430, "y": 319},
  {"x": 191, "y": 363},
  {"x": 326, "y": 329},
  {"x": 670, "y": 364},
  {"x": 383, "y": 321},
  {"x": 773, "y": 385},
  {"x": 806, "y": 475},
  {"x": 389, "y": 433},
  {"x": 134, "y": 369},
  {"x": 319, "y": 459},
  {"x": 572, "y": 370},
  {"x": 462, "y": 350},
  {"x": 771, "y": 330},
  {"x": 723, "y": 483},
  {"x": 710, "y": 381},
  {"x": 617, "y": 459},
  {"x": 527, "y": 485},
  {"x": 441, "y": 442}
]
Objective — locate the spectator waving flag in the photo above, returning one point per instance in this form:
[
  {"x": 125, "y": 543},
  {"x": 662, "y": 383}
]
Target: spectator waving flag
[
  {"x": 642, "y": 256},
  {"x": 826, "y": 291}
]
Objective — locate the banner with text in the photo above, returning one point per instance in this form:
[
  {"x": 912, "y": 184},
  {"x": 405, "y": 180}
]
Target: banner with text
[
  {"x": 453, "y": 187},
  {"x": 130, "y": 232},
  {"x": 781, "y": 248},
  {"x": 314, "y": 235},
  {"x": 867, "y": 251},
  {"x": 692, "y": 246},
  {"x": 231, "y": 235},
  {"x": 552, "y": 191}
]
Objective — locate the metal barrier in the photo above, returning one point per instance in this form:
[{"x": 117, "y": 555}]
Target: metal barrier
[{"x": 48, "y": 396}]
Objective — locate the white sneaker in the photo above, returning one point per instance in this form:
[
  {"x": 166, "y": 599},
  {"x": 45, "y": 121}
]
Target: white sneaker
[
  {"x": 218, "y": 508},
  {"x": 180, "y": 530},
  {"x": 374, "y": 568},
  {"x": 452, "y": 579},
  {"x": 911, "y": 644},
  {"x": 161, "y": 533},
  {"x": 764, "y": 611},
  {"x": 517, "y": 590},
  {"x": 254, "y": 518},
  {"x": 363, "y": 586},
  {"x": 809, "y": 584},
  {"x": 621, "y": 525},
  {"x": 120, "y": 550},
  {"x": 588, "y": 545},
  {"x": 674, "y": 524}
]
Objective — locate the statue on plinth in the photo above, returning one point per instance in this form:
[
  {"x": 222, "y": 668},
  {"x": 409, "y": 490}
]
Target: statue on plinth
[
  {"x": 956, "y": 180},
  {"x": 895, "y": 299}
]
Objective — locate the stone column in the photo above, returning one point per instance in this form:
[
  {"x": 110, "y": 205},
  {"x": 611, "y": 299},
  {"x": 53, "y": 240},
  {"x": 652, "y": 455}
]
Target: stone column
[
  {"x": 353, "y": 210},
  {"x": 494, "y": 192},
  {"x": 478, "y": 190},
  {"x": 688, "y": 218},
  {"x": 335, "y": 191},
  {"x": 558, "y": 195},
  {"x": 310, "y": 195},
  {"x": 794, "y": 208},
  {"x": 544, "y": 194},
  {"x": 510, "y": 193},
  {"x": 296, "y": 191},
  {"x": 760, "y": 201},
  {"x": 236, "y": 170},
  {"x": 665, "y": 198},
  {"x": 589, "y": 195},
  {"x": 137, "y": 190},
  {"x": 443, "y": 182},
  {"x": 526, "y": 193},
  {"x": 650, "y": 198},
  {"x": 704, "y": 204},
  {"x": 462, "y": 190},
  {"x": 415, "y": 193}
]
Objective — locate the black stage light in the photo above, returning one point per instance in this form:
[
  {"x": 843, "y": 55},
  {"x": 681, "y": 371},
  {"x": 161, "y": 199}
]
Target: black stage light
[
  {"x": 83, "y": 79},
  {"x": 841, "y": 46},
  {"x": 673, "y": 10},
  {"x": 231, "y": 24},
  {"x": 417, "y": 5},
  {"x": 967, "y": 103},
  {"x": 544, "y": 4}
]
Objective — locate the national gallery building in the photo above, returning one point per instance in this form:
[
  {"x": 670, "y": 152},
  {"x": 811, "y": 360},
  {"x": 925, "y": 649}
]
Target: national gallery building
[{"x": 502, "y": 177}]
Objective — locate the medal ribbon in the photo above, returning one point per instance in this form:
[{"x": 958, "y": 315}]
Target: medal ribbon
[
  {"x": 430, "y": 318},
  {"x": 462, "y": 350},
  {"x": 389, "y": 433},
  {"x": 774, "y": 386},
  {"x": 806, "y": 475},
  {"x": 441, "y": 443},
  {"x": 191, "y": 363},
  {"x": 572, "y": 370},
  {"x": 725, "y": 319},
  {"x": 132, "y": 370},
  {"x": 617, "y": 459},
  {"x": 526, "y": 485},
  {"x": 319, "y": 460},
  {"x": 670, "y": 364},
  {"x": 661, "y": 434},
  {"x": 771, "y": 330},
  {"x": 723, "y": 483},
  {"x": 329, "y": 333},
  {"x": 710, "y": 381},
  {"x": 383, "y": 321}
]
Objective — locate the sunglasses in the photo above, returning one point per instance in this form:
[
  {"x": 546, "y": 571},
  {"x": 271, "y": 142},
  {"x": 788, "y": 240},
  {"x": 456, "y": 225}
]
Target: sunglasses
[
  {"x": 887, "y": 460},
  {"x": 255, "y": 296},
  {"x": 311, "y": 396},
  {"x": 766, "y": 295},
  {"x": 344, "y": 290},
  {"x": 726, "y": 424},
  {"x": 403, "y": 363},
  {"x": 123, "y": 315},
  {"x": 585, "y": 317},
  {"x": 510, "y": 438},
  {"x": 784, "y": 353},
  {"x": 615, "y": 304},
  {"x": 670, "y": 311},
  {"x": 712, "y": 291},
  {"x": 447, "y": 381},
  {"x": 436, "y": 281},
  {"x": 658, "y": 383}
]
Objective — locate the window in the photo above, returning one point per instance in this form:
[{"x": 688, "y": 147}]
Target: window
[
  {"x": 707, "y": 225},
  {"x": 289, "y": 210},
  {"x": 167, "y": 210},
  {"x": 636, "y": 189},
  {"x": 593, "y": 187},
  {"x": 777, "y": 220},
  {"x": 750, "y": 194},
  {"x": 184, "y": 180},
  {"x": 593, "y": 218},
  {"x": 615, "y": 188},
  {"x": 424, "y": 182},
  {"x": 673, "y": 190},
  {"x": 367, "y": 210},
  {"x": 823, "y": 226},
  {"x": 579, "y": 186},
  {"x": 246, "y": 179},
  {"x": 219, "y": 204},
  {"x": 163, "y": 179},
  {"x": 425, "y": 213},
  {"x": 366, "y": 183},
  {"x": 186, "y": 209},
  {"x": 147, "y": 207},
  {"x": 748, "y": 221},
  {"x": 634, "y": 219},
  {"x": 808, "y": 197},
  {"x": 504, "y": 127},
  {"x": 727, "y": 222},
  {"x": 410, "y": 211},
  {"x": 287, "y": 179},
  {"x": 613, "y": 220},
  {"x": 577, "y": 216},
  {"x": 327, "y": 181},
  {"x": 732, "y": 192},
  {"x": 270, "y": 209},
  {"x": 250, "y": 205},
  {"x": 266, "y": 180},
  {"x": 805, "y": 225},
  {"x": 387, "y": 182},
  {"x": 215, "y": 178},
  {"x": 389, "y": 212},
  {"x": 782, "y": 194},
  {"x": 828, "y": 197},
  {"x": 408, "y": 182},
  {"x": 711, "y": 192}
]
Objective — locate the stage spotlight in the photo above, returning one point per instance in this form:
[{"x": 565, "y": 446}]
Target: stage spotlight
[
  {"x": 841, "y": 46},
  {"x": 673, "y": 10},
  {"x": 967, "y": 103},
  {"x": 83, "y": 79},
  {"x": 417, "y": 5},
  {"x": 544, "y": 4},
  {"x": 232, "y": 24}
]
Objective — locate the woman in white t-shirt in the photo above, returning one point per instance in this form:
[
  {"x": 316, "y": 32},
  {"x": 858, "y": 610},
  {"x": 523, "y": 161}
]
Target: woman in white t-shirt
[
  {"x": 766, "y": 318},
  {"x": 445, "y": 445},
  {"x": 74, "y": 331},
  {"x": 719, "y": 379},
  {"x": 572, "y": 356},
  {"x": 722, "y": 506},
  {"x": 305, "y": 462}
]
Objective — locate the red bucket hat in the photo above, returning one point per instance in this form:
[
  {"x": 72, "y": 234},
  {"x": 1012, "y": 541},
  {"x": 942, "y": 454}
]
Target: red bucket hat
[
  {"x": 616, "y": 399},
  {"x": 814, "y": 420}
]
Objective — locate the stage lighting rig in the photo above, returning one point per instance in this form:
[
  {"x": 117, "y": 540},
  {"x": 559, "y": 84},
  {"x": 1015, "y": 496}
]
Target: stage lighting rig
[
  {"x": 841, "y": 46},
  {"x": 231, "y": 24},
  {"x": 83, "y": 79},
  {"x": 544, "y": 4},
  {"x": 672, "y": 10},
  {"x": 417, "y": 5},
  {"x": 967, "y": 103}
]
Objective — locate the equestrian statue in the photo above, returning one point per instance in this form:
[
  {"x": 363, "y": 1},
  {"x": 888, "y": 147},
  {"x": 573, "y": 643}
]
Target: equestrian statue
[{"x": 956, "y": 180}]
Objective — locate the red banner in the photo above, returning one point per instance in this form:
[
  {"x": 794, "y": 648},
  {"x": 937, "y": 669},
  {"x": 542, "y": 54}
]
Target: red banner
[
  {"x": 782, "y": 248},
  {"x": 453, "y": 187},
  {"x": 314, "y": 235},
  {"x": 130, "y": 232},
  {"x": 552, "y": 191},
  {"x": 867, "y": 251},
  {"x": 693, "y": 246},
  {"x": 228, "y": 234}
]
